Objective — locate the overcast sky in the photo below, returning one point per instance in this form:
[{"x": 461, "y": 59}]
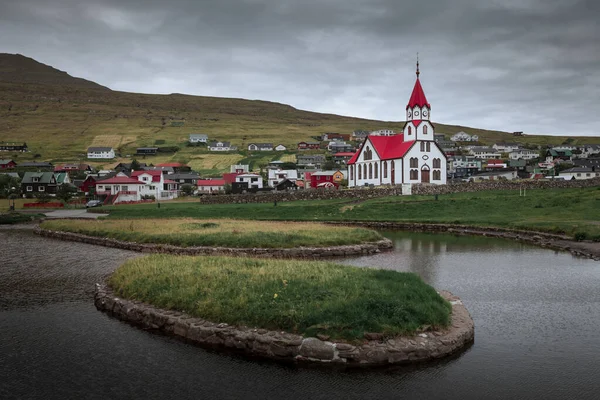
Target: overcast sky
[{"x": 511, "y": 65}]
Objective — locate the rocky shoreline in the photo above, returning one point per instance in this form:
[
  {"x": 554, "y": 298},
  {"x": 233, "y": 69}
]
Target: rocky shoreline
[
  {"x": 296, "y": 252},
  {"x": 374, "y": 350}
]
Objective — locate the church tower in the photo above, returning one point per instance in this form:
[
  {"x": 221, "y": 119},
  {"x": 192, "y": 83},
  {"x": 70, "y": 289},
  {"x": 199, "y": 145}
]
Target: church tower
[{"x": 418, "y": 112}]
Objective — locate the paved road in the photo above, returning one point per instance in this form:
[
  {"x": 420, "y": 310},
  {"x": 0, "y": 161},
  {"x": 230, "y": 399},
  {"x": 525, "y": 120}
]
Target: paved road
[{"x": 73, "y": 214}]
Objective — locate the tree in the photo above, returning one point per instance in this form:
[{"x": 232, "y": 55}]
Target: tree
[
  {"x": 135, "y": 165},
  {"x": 42, "y": 197},
  {"x": 65, "y": 192},
  {"x": 187, "y": 189}
]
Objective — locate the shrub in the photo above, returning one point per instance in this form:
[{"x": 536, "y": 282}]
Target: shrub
[{"x": 579, "y": 236}]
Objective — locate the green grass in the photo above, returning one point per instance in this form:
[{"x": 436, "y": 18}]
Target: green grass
[
  {"x": 295, "y": 296},
  {"x": 222, "y": 233},
  {"x": 17, "y": 218},
  {"x": 568, "y": 211}
]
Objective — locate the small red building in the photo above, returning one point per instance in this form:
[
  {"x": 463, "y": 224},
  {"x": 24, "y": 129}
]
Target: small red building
[
  {"x": 309, "y": 146},
  {"x": 7, "y": 164},
  {"x": 326, "y": 179}
]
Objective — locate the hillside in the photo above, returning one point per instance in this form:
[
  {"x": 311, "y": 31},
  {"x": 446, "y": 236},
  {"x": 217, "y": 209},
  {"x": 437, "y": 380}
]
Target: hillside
[{"x": 59, "y": 116}]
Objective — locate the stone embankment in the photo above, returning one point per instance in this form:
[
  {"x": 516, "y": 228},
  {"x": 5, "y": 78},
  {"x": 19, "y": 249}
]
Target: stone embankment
[
  {"x": 549, "y": 240},
  {"x": 296, "y": 252},
  {"x": 373, "y": 350},
  {"x": 365, "y": 193}
]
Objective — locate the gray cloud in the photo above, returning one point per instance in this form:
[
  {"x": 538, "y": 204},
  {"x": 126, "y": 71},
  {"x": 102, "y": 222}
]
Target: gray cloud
[{"x": 528, "y": 65}]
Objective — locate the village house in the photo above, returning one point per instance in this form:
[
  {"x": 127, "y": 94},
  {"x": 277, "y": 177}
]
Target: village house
[
  {"x": 240, "y": 168},
  {"x": 107, "y": 153},
  {"x": 464, "y": 137},
  {"x": 523, "y": 154},
  {"x": 122, "y": 188},
  {"x": 184, "y": 178},
  {"x": 383, "y": 132},
  {"x": 146, "y": 151},
  {"x": 463, "y": 166},
  {"x": 22, "y": 148},
  {"x": 326, "y": 179},
  {"x": 39, "y": 165},
  {"x": 221, "y": 146},
  {"x": 210, "y": 186},
  {"x": 485, "y": 152},
  {"x": 558, "y": 154},
  {"x": 340, "y": 147},
  {"x": 495, "y": 165},
  {"x": 342, "y": 158},
  {"x": 280, "y": 147},
  {"x": 359, "y": 135},
  {"x": 309, "y": 146},
  {"x": 315, "y": 161},
  {"x": 38, "y": 182},
  {"x": 506, "y": 147},
  {"x": 253, "y": 181},
  {"x": 277, "y": 175},
  {"x": 407, "y": 158},
  {"x": 7, "y": 164},
  {"x": 335, "y": 136},
  {"x": 588, "y": 162},
  {"x": 198, "y": 138},
  {"x": 578, "y": 173},
  {"x": 260, "y": 147},
  {"x": 176, "y": 166},
  {"x": 505, "y": 174}
]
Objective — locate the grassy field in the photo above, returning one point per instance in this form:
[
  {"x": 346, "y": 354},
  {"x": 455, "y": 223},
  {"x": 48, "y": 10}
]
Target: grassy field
[
  {"x": 59, "y": 121},
  {"x": 295, "y": 296},
  {"x": 555, "y": 210},
  {"x": 221, "y": 232}
]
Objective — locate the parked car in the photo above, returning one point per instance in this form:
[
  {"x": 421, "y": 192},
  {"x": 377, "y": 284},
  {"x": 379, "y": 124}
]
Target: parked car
[{"x": 93, "y": 203}]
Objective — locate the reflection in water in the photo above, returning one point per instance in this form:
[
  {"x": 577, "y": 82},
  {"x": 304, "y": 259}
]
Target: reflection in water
[{"x": 536, "y": 314}]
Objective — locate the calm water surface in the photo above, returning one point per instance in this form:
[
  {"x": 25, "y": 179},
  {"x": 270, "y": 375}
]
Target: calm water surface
[{"x": 537, "y": 317}]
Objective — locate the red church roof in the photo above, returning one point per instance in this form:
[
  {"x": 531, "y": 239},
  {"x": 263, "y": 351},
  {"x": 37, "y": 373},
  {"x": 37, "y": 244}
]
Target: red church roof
[
  {"x": 388, "y": 147},
  {"x": 417, "y": 98}
]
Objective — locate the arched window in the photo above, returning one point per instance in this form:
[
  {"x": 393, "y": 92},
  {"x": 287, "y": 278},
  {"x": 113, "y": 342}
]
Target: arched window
[
  {"x": 385, "y": 169},
  {"x": 414, "y": 162},
  {"x": 428, "y": 146},
  {"x": 410, "y": 130},
  {"x": 437, "y": 163},
  {"x": 368, "y": 154},
  {"x": 436, "y": 175},
  {"x": 425, "y": 130},
  {"x": 351, "y": 172},
  {"x": 370, "y": 171},
  {"x": 414, "y": 174},
  {"x": 359, "y": 170},
  {"x": 422, "y": 146},
  {"x": 365, "y": 171},
  {"x": 376, "y": 171}
]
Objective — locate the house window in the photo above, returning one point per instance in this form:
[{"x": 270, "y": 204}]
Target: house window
[
  {"x": 41, "y": 189},
  {"x": 437, "y": 163},
  {"x": 428, "y": 146},
  {"x": 410, "y": 130},
  {"x": 359, "y": 171},
  {"x": 385, "y": 169},
  {"x": 422, "y": 146},
  {"x": 30, "y": 188},
  {"x": 414, "y": 174},
  {"x": 414, "y": 162},
  {"x": 370, "y": 171},
  {"x": 124, "y": 188},
  {"x": 436, "y": 175},
  {"x": 377, "y": 171},
  {"x": 425, "y": 130}
]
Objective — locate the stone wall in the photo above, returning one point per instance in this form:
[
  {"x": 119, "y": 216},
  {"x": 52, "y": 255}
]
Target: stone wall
[
  {"x": 297, "y": 252},
  {"x": 368, "y": 193},
  {"x": 373, "y": 350}
]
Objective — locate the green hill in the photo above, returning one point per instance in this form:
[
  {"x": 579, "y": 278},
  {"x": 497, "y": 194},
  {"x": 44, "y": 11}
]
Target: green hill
[{"x": 59, "y": 116}]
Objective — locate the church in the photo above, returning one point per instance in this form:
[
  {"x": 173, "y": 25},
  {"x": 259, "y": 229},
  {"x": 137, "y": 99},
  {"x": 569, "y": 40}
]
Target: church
[{"x": 410, "y": 157}]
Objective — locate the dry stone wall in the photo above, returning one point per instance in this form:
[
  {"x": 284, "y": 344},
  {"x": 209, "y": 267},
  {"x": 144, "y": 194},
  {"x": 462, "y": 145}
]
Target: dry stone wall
[
  {"x": 368, "y": 193},
  {"x": 296, "y": 252},
  {"x": 373, "y": 350}
]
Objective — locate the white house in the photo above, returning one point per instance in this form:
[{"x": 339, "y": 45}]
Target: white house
[
  {"x": 239, "y": 168},
  {"x": 485, "y": 152},
  {"x": 210, "y": 186},
  {"x": 578, "y": 173},
  {"x": 198, "y": 138},
  {"x": 280, "y": 147},
  {"x": 523, "y": 154},
  {"x": 277, "y": 175},
  {"x": 101, "y": 152},
  {"x": 508, "y": 175},
  {"x": 410, "y": 157},
  {"x": 383, "y": 132},
  {"x": 506, "y": 147},
  {"x": 260, "y": 147},
  {"x": 254, "y": 181},
  {"x": 464, "y": 137},
  {"x": 220, "y": 146}
]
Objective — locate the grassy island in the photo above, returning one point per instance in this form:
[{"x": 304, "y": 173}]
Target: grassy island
[
  {"x": 188, "y": 232},
  {"x": 295, "y": 296}
]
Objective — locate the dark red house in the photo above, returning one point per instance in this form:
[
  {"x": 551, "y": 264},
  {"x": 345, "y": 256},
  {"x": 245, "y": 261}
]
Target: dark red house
[
  {"x": 7, "y": 164},
  {"x": 309, "y": 146},
  {"x": 324, "y": 179}
]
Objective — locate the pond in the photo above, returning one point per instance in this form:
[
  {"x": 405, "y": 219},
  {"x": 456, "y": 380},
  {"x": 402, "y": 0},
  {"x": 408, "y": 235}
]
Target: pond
[{"x": 536, "y": 312}]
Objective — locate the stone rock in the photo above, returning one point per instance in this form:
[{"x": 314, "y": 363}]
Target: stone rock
[
  {"x": 373, "y": 336},
  {"x": 315, "y": 348}
]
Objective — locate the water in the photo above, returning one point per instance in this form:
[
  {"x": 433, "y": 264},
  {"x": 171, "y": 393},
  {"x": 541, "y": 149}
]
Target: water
[{"x": 536, "y": 313}]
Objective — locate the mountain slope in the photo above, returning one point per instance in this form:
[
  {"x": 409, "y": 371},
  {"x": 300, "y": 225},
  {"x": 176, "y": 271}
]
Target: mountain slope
[
  {"x": 60, "y": 117},
  {"x": 18, "y": 68}
]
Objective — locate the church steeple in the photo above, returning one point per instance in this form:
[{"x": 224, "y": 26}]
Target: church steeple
[{"x": 418, "y": 112}]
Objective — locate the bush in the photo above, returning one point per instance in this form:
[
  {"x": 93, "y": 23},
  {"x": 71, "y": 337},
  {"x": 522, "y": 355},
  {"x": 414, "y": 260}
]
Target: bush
[
  {"x": 580, "y": 236},
  {"x": 168, "y": 149}
]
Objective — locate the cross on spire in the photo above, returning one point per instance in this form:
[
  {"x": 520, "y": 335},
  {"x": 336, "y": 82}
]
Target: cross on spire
[{"x": 418, "y": 73}]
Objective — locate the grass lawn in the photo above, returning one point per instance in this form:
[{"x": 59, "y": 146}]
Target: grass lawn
[
  {"x": 218, "y": 232},
  {"x": 296, "y": 296},
  {"x": 554, "y": 210}
]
